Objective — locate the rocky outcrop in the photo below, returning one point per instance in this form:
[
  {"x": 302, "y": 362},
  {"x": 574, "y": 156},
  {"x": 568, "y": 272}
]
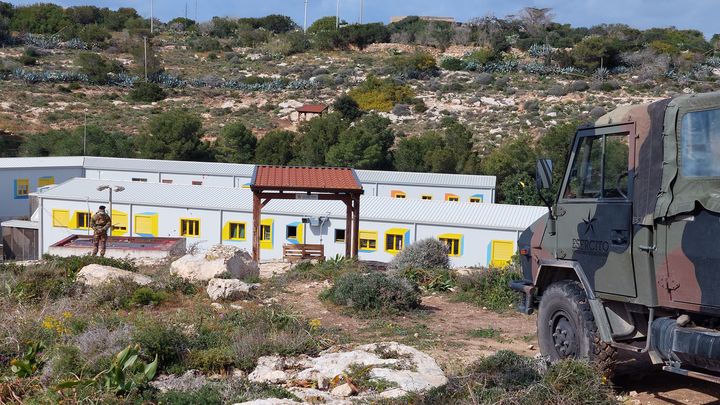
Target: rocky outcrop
[
  {"x": 228, "y": 289},
  {"x": 94, "y": 274},
  {"x": 403, "y": 368},
  {"x": 216, "y": 261}
]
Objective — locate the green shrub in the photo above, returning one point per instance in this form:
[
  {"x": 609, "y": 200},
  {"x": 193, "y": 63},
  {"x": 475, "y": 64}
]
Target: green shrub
[
  {"x": 381, "y": 95},
  {"x": 373, "y": 293},
  {"x": 73, "y": 264},
  {"x": 213, "y": 360},
  {"x": 164, "y": 340},
  {"x": 218, "y": 393},
  {"x": 205, "y": 44},
  {"x": 147, "y": 92},
  {"x": 481, "y": 56},
  {"x": 327, "y": 270},
  {"x": 273, "y": 331},
  {"x": 32, "y": 283},
  {"x": 417, "y": 65},
  {"x": 453, "y": 64},
  {"x": 424, "y": 254},
  {"x": 506, "y": 377},
  {"x": 146, "y": 296},
  {"x": 434, "y": 279},
  {"x": 489, "y": 288}
]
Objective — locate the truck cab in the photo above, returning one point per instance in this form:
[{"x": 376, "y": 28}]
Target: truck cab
[{"x": 628, "y": 256}]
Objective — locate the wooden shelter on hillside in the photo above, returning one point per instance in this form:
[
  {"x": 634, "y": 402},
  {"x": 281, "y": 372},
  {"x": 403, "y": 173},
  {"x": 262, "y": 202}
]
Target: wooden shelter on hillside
[{"x": 311, "y": 110}]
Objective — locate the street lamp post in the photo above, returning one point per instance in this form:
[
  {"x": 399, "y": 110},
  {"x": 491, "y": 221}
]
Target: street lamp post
[{"x": 110, "y": 189}]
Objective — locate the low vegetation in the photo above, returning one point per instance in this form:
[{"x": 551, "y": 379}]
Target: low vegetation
[
  {"x": 488, "y": 288},
  {"x": 373, "y": 293},
  {"x": 508, "y": 378}
]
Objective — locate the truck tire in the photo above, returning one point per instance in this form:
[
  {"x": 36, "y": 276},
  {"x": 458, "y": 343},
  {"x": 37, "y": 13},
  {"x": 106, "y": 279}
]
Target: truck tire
[{"x": 567, "y": 329}]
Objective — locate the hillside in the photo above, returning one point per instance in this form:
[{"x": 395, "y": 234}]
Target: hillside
[{"x": 485, "y": 96}]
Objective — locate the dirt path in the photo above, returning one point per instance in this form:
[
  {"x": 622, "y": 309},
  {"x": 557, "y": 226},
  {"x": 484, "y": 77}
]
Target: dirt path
[{"x": 456, "y": 334}]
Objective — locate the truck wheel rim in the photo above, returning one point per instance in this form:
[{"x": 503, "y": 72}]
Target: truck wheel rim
[{"x": 563, "y": 335}]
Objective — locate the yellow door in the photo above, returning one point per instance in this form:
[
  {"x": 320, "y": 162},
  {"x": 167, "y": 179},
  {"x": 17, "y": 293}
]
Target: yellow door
[{"x": 502, "y": 252}]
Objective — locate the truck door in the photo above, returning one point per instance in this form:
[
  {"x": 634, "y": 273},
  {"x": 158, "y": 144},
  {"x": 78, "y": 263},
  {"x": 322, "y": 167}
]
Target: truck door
[{"x": 595, "y": 210}]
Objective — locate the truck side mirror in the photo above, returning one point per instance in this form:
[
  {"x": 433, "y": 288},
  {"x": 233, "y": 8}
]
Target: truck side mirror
[{"x": 543, "y": 175}]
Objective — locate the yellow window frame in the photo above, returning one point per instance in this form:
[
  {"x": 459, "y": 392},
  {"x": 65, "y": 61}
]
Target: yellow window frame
[
  {"x": 499, "y": 248},
  {"x": 454, "y": 243},
  {"x": 60, "y": 218},
  {"x": 146, "y": 224},
  {"x": 241, "y": 233},
  {"x": 452, "y": 197},
  {"x": 367, "y": 240},
  {"x": 46, "y": 181},
  {"x": 266, "y": 234},
  {"x": 426, "y": 197},
  {"x": 22, "y": 188},
  {"x": 475, "y": 199},
  {"x": 190, "y": 227},
  {"x": 398, "y": 194},
  {"x": 81, "y": 220},
  {"x": 398, "y": 240},
  {"x": 120, "y": 223}
]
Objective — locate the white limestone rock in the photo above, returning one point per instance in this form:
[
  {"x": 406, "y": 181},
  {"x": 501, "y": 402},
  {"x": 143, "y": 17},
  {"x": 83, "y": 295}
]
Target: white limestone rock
[
  {"x": 410, "y": 370},
  {"x": 94, "y": 275},
  {"x": 228, "y": 289},
  {"x": 217, "y": 260}
]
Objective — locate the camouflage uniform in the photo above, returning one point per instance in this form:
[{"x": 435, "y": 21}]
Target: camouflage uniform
[{"x": 100, "y": 223}]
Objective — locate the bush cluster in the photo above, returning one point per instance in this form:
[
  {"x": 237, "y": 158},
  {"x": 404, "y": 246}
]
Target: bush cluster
[
  {"x": 424, "y": 254},
  {"x": 506, "y": 377},
  {"x": 489, "y": 288},
  {"x": 373, "y": 293}
]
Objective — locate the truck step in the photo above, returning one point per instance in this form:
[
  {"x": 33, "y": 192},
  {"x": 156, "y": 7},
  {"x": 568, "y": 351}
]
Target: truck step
[{"x": 693, "y": 374}]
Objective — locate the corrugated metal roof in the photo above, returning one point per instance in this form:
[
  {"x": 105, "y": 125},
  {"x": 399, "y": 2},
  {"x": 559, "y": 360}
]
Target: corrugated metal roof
[
  {"x": 246, "y": 170},
  {"x": 494, "y": 216},
  {"x": 169, "y": 166},
  {"x": 305, "y": 178},
  {"x": 426, "y": 179},
  {"x": 35, "y": 162}
]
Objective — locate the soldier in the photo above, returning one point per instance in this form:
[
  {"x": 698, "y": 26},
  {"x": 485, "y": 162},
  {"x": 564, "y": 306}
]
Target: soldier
[{"x": 100, "y": 223}]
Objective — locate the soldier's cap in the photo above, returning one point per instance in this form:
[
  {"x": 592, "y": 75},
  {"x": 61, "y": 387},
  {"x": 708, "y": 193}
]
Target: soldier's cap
[{"x": 102, "y": 207}]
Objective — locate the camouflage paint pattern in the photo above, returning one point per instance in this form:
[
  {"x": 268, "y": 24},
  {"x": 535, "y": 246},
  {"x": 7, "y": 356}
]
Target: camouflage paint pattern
[{"x": 660, "y": 245}]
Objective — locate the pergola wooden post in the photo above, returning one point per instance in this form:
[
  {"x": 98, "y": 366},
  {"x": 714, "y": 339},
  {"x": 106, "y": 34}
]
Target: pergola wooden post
[{"x": 307, "y": 183}]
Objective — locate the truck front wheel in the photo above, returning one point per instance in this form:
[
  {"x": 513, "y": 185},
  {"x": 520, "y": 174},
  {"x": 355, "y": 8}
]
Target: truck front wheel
[{"x": 567, "y": 329}]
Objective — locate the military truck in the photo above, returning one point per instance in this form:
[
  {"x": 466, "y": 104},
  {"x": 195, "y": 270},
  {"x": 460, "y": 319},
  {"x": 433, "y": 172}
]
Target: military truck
[{"x": 628, "y": 256}]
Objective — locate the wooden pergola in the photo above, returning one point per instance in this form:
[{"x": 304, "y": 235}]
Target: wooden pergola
[{"x": 308, "y": 183}]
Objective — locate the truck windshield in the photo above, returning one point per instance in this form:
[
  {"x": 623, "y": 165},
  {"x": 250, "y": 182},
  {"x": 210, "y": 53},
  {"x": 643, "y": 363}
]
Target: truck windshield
[{"x": 700, "y": 144}]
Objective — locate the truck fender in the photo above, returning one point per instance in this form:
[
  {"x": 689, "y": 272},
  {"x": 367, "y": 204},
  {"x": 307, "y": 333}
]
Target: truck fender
[{"x": 551, "y": 271}]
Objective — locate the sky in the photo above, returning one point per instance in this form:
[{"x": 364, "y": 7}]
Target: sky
[{"x": 702, "y": 15}]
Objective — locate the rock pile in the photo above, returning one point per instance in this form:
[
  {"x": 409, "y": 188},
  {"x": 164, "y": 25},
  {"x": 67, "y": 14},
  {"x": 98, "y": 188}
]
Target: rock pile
[{"x": 216, "y": 261}]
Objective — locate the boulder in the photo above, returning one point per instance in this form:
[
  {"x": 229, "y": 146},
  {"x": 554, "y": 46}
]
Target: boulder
[
  {"x": 228, "y": 289},
  {"x": 408, "y": 369},
  {"x": 191, "y": 380},
  {"x": 94, "y": 274},
  {"x": 219, "y": 259}
]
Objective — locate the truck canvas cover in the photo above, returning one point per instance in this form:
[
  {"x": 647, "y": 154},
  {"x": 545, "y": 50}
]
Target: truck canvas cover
[{"x": 692, "y": 159}]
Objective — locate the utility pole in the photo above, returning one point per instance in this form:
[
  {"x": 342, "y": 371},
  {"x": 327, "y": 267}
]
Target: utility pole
[
  {"x": 152, "y": 22},
  {"x": 362, "y": 10},
  {"x": 337, "y": 15},
  {"x": 85, "y": 135},
  {"x": 305, "y": 24},
  {"x": 145, "y": 58}
]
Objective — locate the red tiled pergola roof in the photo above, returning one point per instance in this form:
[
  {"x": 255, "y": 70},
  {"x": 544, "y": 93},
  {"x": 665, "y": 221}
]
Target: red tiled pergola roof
[
  {"x": 312, "y": 109},
  {"x": 319, "y": 179}
]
